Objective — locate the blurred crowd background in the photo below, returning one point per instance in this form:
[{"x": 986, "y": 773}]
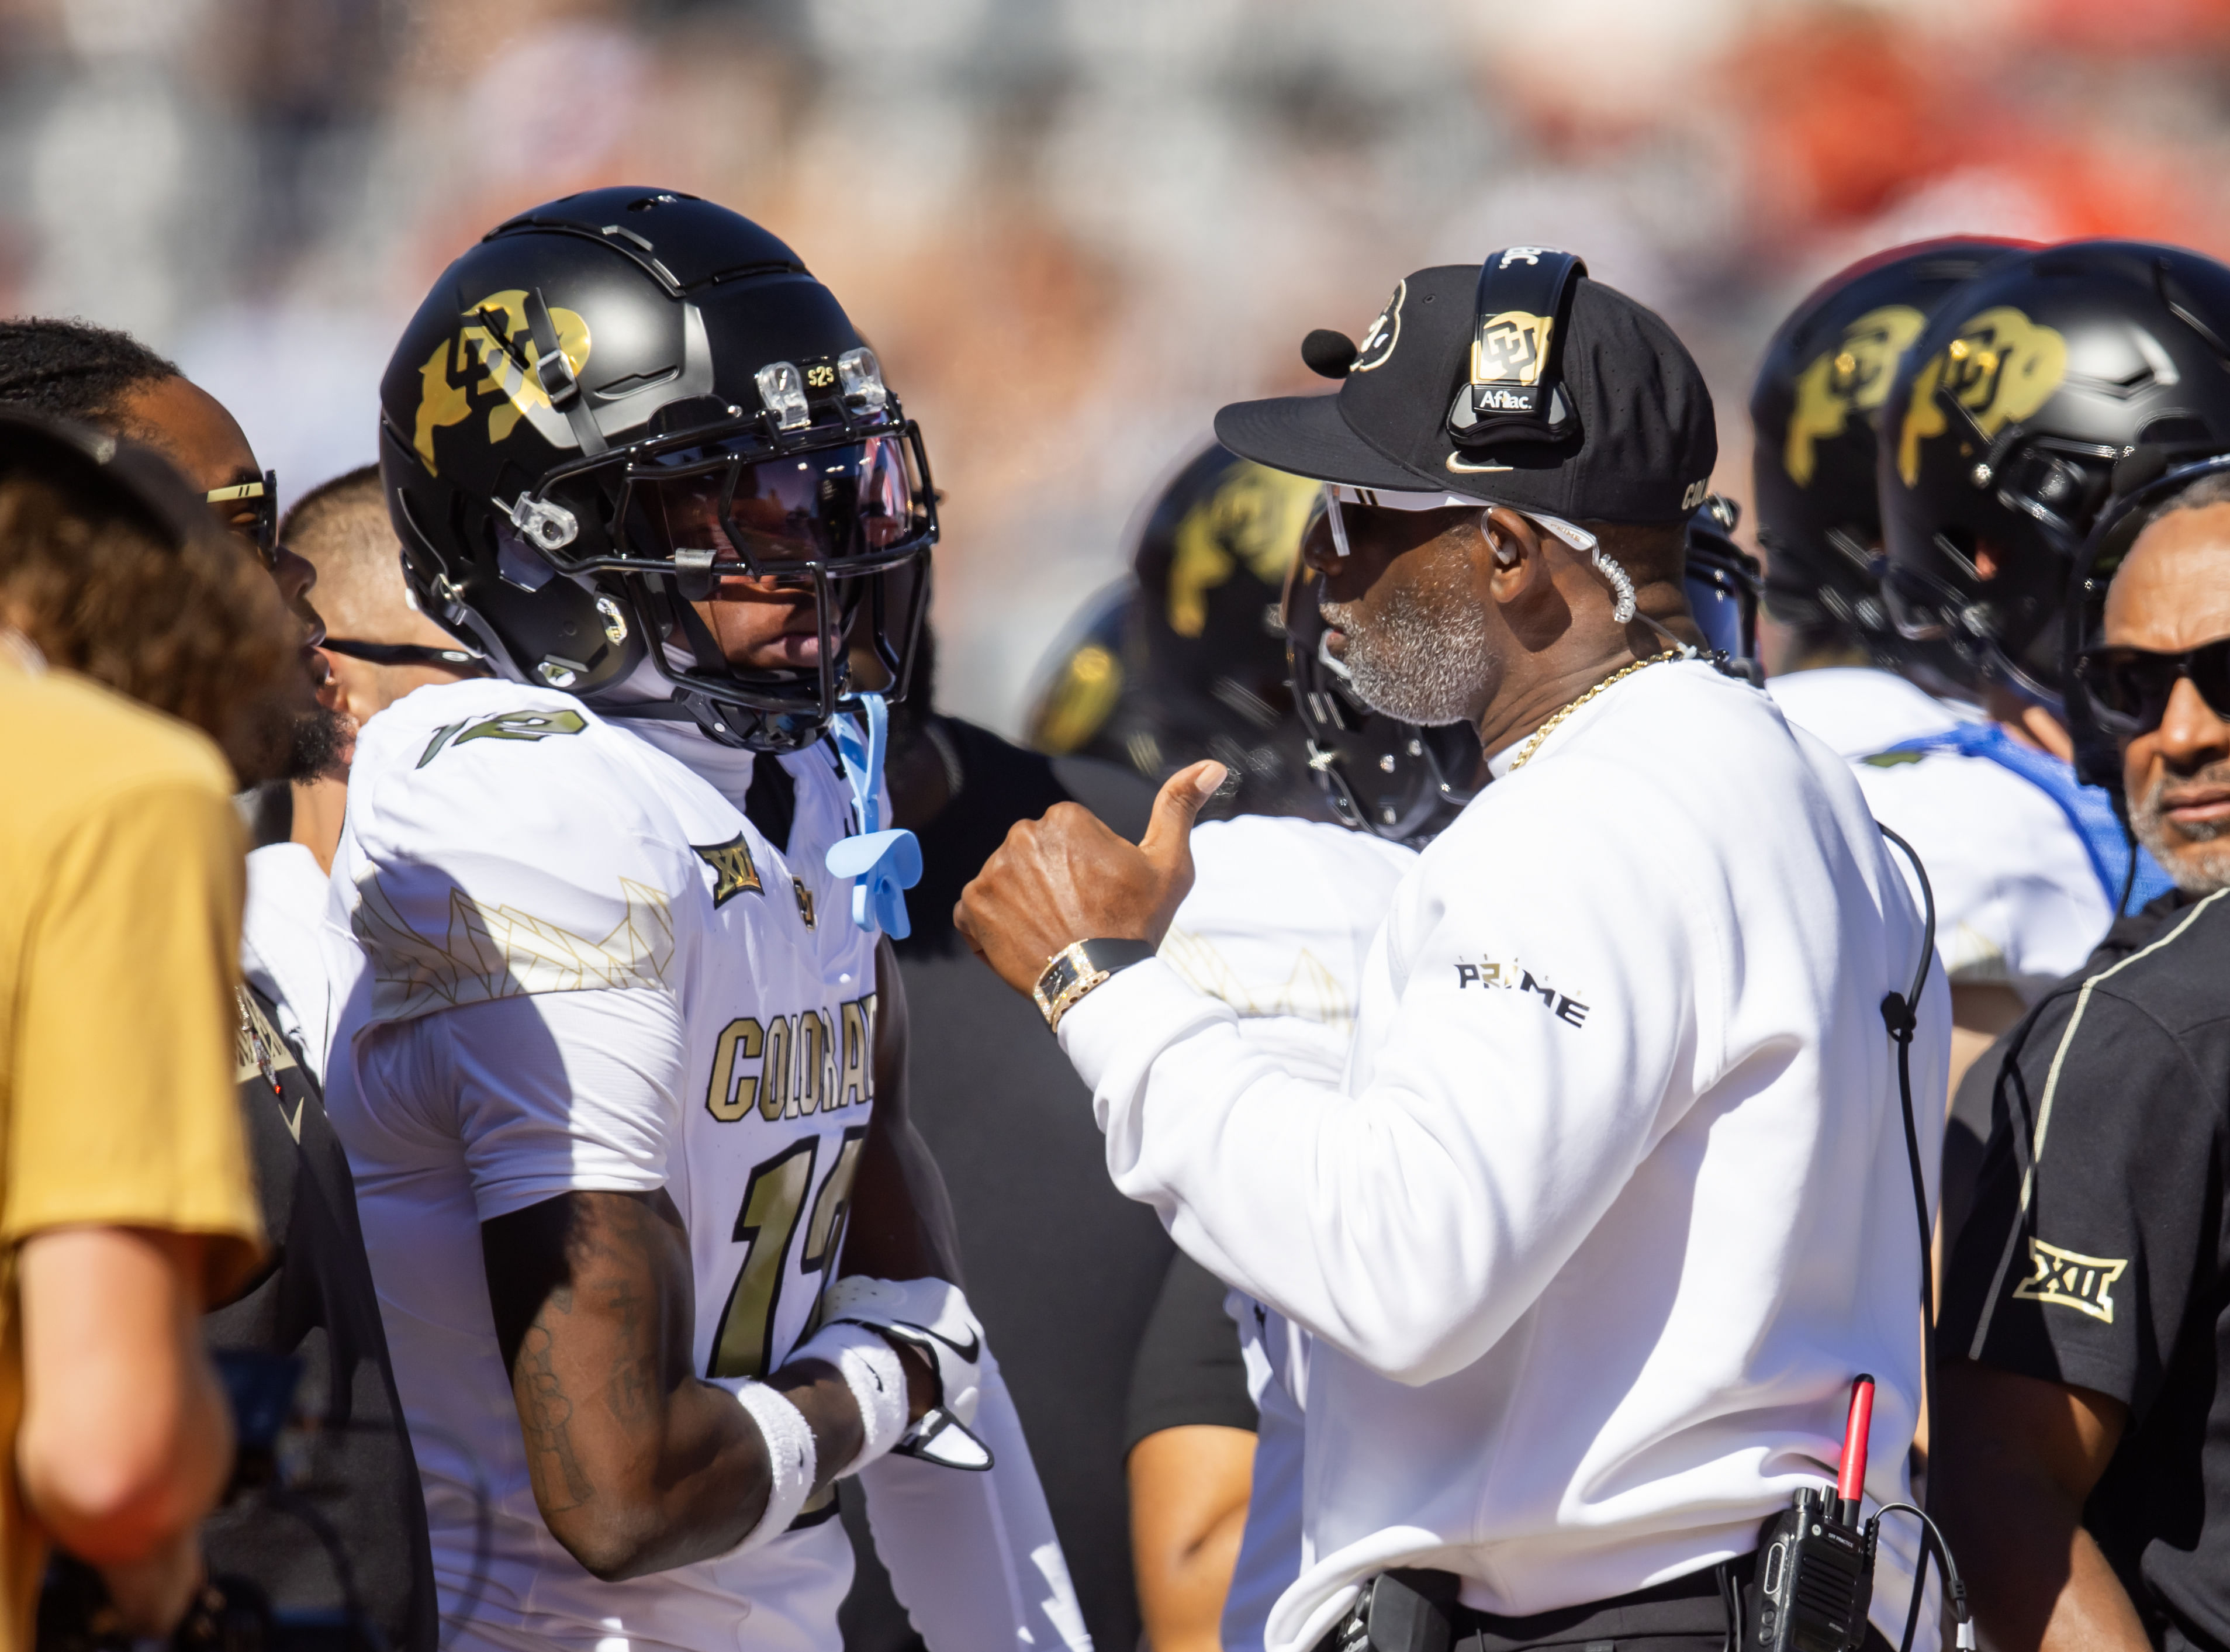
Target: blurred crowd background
[{"x": 1071, "y": 228}]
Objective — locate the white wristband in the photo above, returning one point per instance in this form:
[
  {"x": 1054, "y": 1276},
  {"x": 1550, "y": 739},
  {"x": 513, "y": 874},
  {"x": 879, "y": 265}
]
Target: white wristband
[
  {"x": 789, "y": 1460},
  {"x": 876, "y": 1376}
]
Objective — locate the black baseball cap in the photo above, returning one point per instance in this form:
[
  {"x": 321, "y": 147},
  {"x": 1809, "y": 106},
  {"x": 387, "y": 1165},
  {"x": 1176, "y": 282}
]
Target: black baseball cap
[{"x": 1643, "y": 450}]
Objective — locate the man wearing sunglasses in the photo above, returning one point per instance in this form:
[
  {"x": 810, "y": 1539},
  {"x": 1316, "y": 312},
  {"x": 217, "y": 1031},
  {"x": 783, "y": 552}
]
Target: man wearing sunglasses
[
  {"x": 358, "y": 1497},
  {"x": 378, "y": 648},
  {"x": 1611, "y": 1200},
  {"x": 2085, "y": 1474},
  {"x": 95, "y": 376}
]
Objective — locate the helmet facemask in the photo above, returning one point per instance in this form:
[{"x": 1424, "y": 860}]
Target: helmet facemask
[
  {"x": 842, "y": 513},
  {"x": 1394, "y": 779}
]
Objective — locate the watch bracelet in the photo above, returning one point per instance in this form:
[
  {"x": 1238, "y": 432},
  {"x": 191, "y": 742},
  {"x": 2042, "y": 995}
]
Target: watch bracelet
[{"x": 1056, "y": 997}]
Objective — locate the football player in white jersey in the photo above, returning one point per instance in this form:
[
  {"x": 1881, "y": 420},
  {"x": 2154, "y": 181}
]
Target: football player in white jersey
[
  {"x": 620, "y": 1058},
  {"x": 1940, "y": 686}
]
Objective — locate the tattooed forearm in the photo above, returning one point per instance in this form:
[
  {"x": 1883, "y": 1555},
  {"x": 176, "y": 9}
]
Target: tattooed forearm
[
  {"x": 546, "y": 1415},
  {"x": 632, "y": 1395},
  {"x": 636, "y": 1465}
]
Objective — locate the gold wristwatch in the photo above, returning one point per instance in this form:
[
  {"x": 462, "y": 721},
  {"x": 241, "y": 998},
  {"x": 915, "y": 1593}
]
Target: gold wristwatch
[{"x": 1079, "y": 967}]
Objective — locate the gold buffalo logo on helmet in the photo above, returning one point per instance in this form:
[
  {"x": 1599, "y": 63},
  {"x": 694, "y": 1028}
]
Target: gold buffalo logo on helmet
[
  {"x": 2001, "y": 368},
  {"x": 1385, "y": 333},
  {"x": 1512, "y": 348},
  {"x": 492, "y": 354},
  {"x": 1256, "y": 517},
  {"x": 1852, "y": 378}
]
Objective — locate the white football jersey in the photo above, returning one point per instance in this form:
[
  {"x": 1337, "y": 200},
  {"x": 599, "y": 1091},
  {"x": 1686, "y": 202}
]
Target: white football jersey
[
  {"x": 279, "y": 952},
  {"x": 566, "y": 960},
  {"x": 2017, "y": 902},
  {"x": 1860, "y": 710}
]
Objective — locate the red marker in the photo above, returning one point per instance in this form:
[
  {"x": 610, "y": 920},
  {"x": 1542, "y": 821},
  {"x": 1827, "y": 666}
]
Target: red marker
[{"x": 1850, "y": 1485}]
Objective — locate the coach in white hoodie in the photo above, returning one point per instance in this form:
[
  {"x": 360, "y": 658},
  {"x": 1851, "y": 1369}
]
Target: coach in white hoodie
[{"x": 1614, "y": 1200}]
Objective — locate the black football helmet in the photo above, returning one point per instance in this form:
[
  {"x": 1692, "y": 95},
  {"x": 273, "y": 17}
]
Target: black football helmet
[
  {"x": 2003, "y": 429},
  {"x": 1380, "y": 774},
  {"x": 1825, "y": 378},
  {"x": 1187, "y": 660},
  {"x": 617, "y": 398},
  {"x": 1724, "y": 583}
]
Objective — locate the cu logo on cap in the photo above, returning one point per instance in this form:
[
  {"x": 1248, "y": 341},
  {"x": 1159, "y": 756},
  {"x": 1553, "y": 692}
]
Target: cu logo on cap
[{"x": 1385, "y": 333}]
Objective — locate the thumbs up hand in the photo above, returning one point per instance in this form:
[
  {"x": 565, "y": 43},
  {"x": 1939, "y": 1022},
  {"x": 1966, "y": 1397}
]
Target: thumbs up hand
[{"x": 1068, "y": 878}]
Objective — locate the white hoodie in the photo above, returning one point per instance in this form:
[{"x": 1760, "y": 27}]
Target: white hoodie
[{"x": 1612, "y": 1203}]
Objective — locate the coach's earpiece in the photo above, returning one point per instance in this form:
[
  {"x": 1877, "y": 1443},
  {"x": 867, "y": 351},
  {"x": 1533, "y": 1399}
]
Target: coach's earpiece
[
  {"x": 1505, "y": 548},
  {"x": 1505, "y": 554}
]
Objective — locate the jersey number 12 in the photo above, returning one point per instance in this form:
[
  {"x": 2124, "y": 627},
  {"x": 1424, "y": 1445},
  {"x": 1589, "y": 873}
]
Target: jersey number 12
[{"x": 743, "y": 1344}]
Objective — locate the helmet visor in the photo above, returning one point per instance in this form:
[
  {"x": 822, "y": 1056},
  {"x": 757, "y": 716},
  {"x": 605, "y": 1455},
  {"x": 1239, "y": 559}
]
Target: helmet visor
[{"x": 777, "y": 514}]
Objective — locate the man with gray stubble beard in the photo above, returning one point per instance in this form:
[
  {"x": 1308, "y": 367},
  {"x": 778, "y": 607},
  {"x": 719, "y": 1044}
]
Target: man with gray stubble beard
[{"x": 1611, "y": 1201}]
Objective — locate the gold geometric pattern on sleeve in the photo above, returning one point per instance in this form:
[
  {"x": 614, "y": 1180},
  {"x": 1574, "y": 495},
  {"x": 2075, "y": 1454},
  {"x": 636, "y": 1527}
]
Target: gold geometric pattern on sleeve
[
  {"x": 1309, "y": 991},
  {"x": 503, "y": 952}
]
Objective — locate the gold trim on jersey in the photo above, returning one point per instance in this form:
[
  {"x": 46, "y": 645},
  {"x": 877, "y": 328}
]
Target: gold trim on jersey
[{"x": 502, "y": 953}]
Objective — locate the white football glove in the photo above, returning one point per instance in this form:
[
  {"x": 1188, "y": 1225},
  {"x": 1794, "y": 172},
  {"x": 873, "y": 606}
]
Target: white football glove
[{"x": 933, "y": 1315}]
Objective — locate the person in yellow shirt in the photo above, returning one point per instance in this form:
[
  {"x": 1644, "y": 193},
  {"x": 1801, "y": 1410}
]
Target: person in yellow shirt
[{"x": 126, "y": 1201}]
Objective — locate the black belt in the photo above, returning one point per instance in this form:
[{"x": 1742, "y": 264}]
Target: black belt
[{"x": 1687, "y": 1614}]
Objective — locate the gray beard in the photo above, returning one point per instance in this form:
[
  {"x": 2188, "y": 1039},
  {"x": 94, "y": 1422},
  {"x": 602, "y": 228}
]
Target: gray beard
[
  {"x": 2197, "y": 872},
  {"x": 1424, "y": 662}
]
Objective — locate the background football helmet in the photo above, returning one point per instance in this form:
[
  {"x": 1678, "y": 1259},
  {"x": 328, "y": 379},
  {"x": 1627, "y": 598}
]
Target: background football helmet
[
  {"x": 1723, "y": 583},
  {"x": 1826, "y": 375},
  {"x": 2005, "y": 423},
  {"x": 1187, "y": 660},
  {"x": 615, "y": 400}
]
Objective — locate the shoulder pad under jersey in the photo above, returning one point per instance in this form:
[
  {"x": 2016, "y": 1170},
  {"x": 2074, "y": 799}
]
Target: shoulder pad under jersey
[{"x": 503, "y": 840}]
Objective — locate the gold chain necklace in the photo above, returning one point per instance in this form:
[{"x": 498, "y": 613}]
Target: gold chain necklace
[{"x": 1548, "y": 728}]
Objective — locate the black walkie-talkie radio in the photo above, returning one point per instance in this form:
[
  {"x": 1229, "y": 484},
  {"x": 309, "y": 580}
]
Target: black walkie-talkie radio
[{"x": 1815, "y": 1567}]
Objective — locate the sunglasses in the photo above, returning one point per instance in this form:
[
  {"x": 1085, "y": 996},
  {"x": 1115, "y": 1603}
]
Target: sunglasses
[
  {"x": 251, "y": 510},
  {"x": 1337, "y": 495},
  {"x": 2130, "y": 686},
  {"x": 398, "y": 652}
]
